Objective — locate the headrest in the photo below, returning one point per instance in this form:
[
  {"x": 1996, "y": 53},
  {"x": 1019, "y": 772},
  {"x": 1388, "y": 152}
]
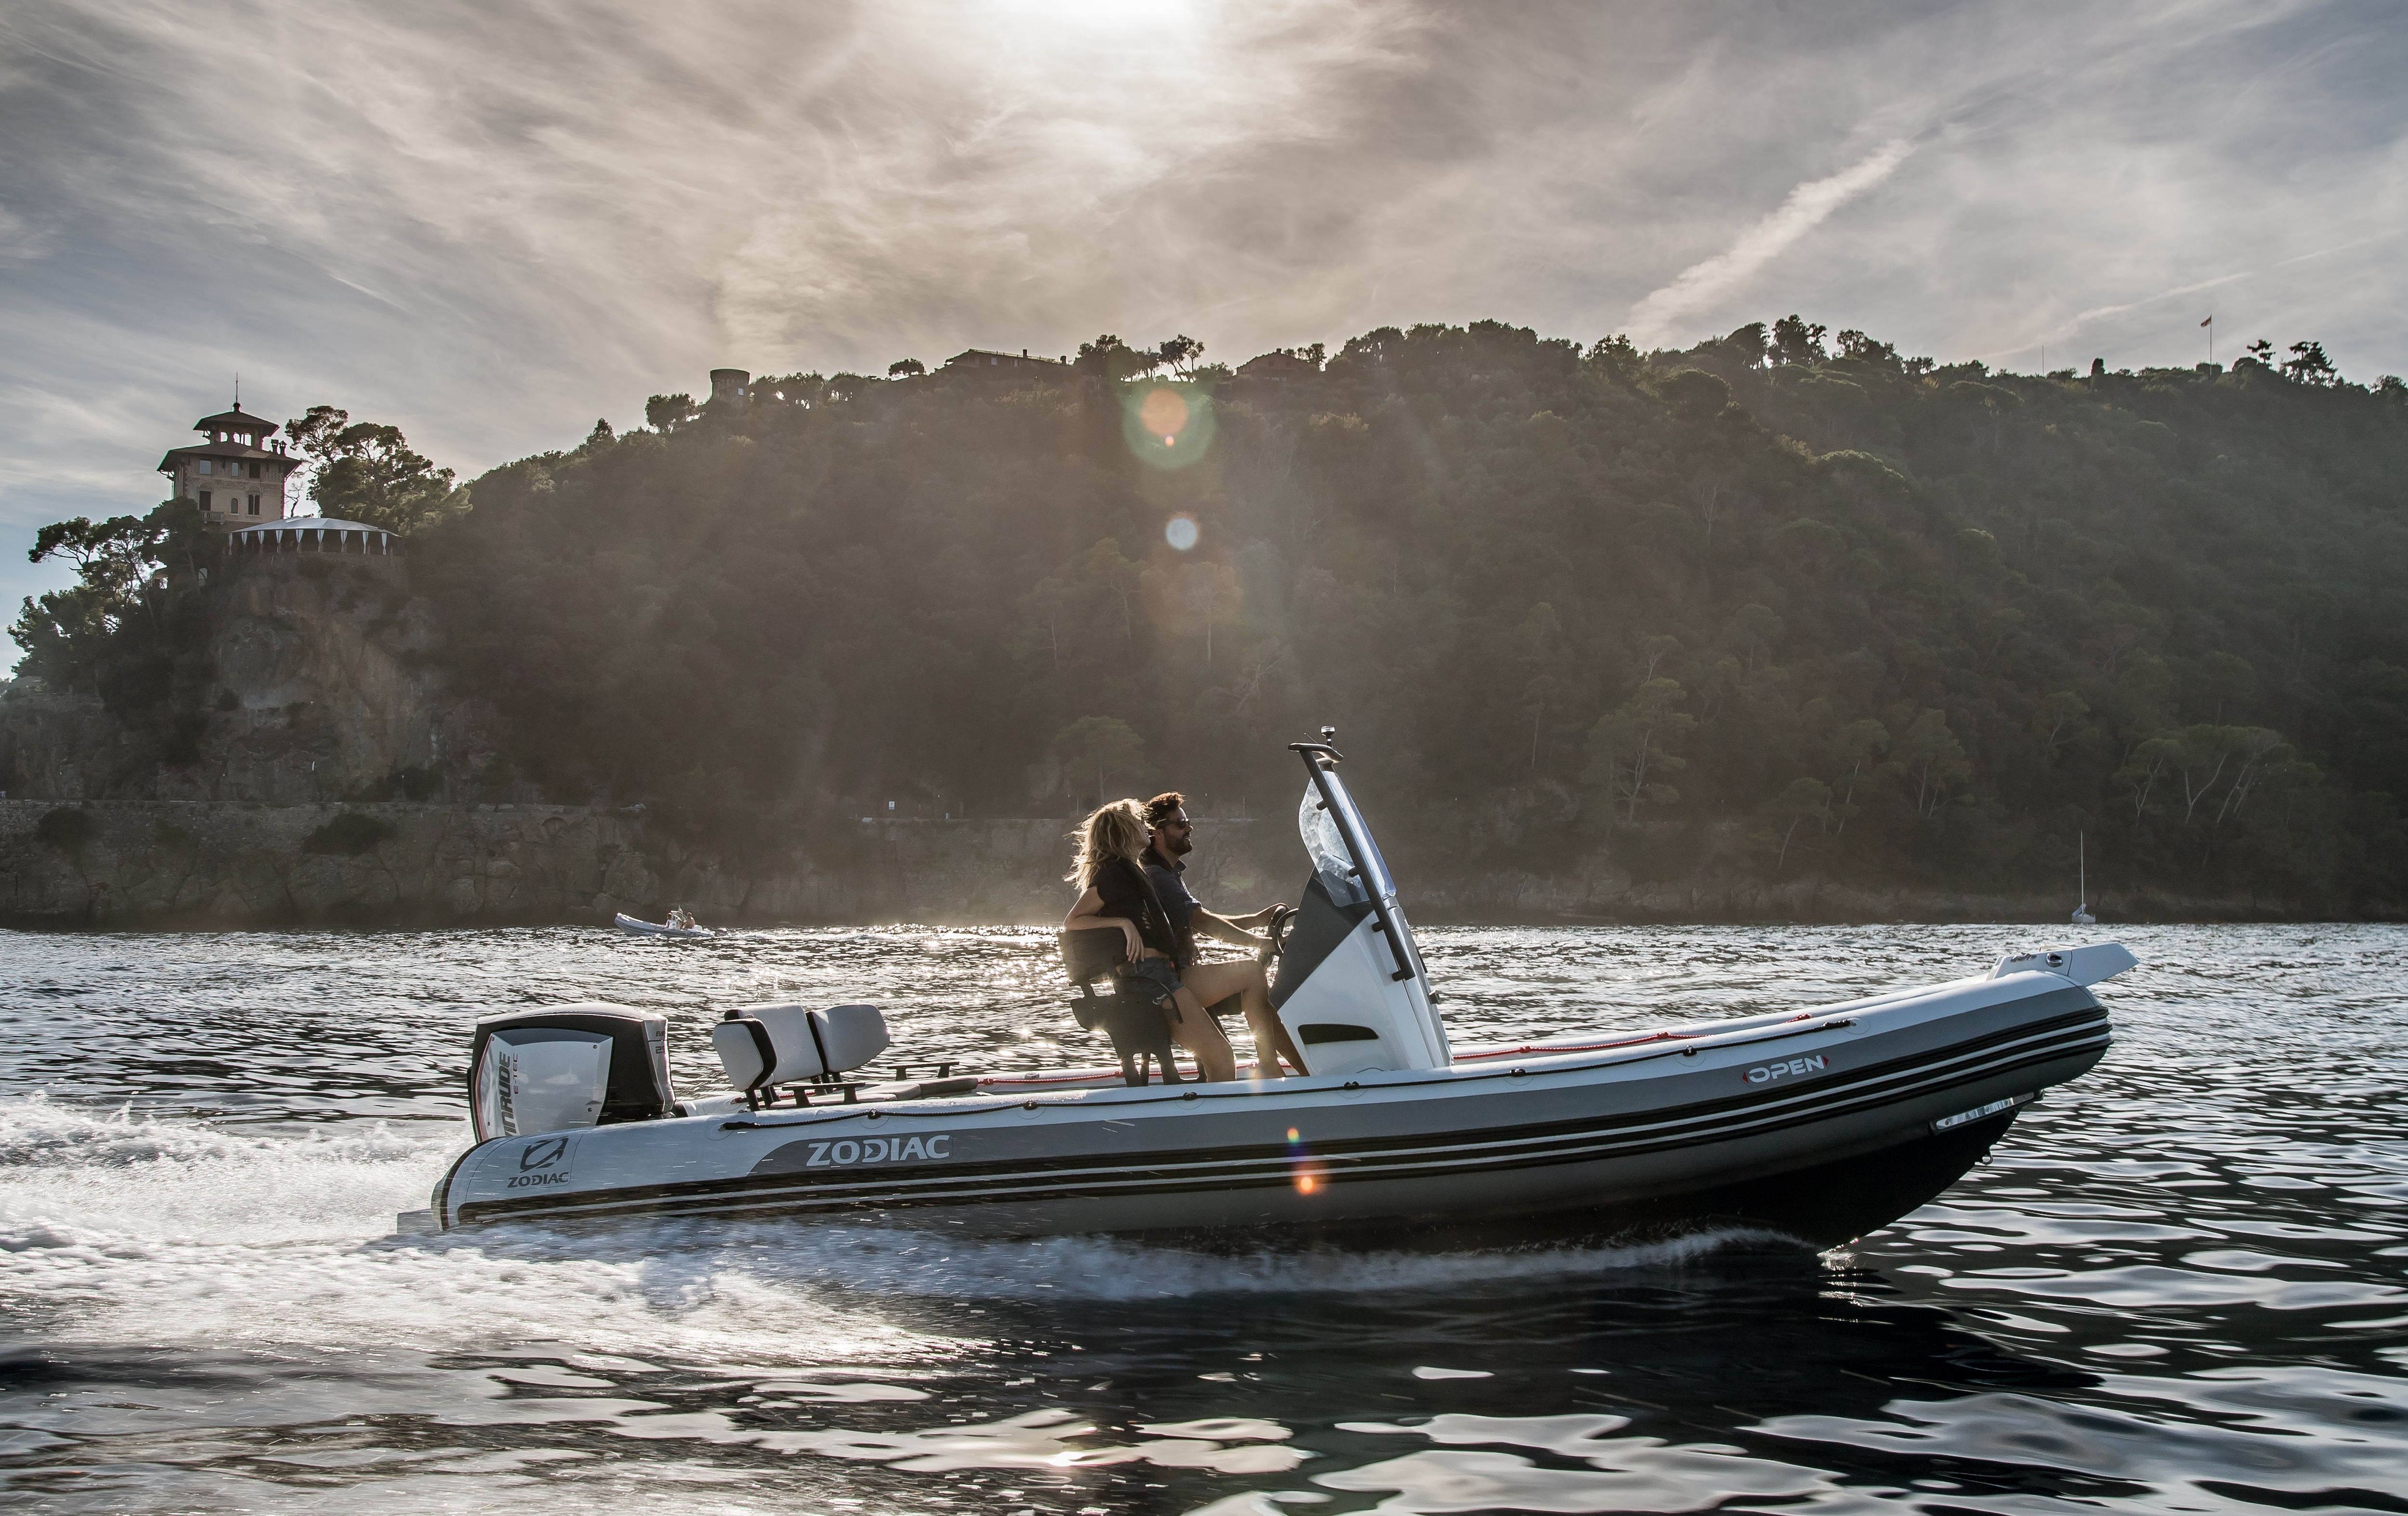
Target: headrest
[
  {"x": 1091, "y": 952},
  {"x": 849, "y": 1035},
  {"x": 766, "y": 1045},
  {"x": 761, "y": 1045}
]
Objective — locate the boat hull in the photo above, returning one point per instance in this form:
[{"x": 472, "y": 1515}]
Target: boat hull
[
  {"x": 1819, "y": 1127},
  {"x": 1821, "y": 1205}
]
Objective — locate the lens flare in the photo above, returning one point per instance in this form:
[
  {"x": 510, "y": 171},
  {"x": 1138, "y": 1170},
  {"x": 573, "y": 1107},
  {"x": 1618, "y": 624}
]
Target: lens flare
[
  {"x": 1163, "y": 412},
  {"x": 1181, "y": 534},
  {"x": 1167, "y": 423},
  {"x": 1307, "y": 1173}
]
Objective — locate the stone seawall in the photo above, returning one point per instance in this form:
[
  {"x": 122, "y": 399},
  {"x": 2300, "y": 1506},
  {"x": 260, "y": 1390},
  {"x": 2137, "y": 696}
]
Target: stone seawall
[
  {"x": 143, "y": 863},
  {"x": 133, "y": 865},
  {"x": 320, "y": 688}
]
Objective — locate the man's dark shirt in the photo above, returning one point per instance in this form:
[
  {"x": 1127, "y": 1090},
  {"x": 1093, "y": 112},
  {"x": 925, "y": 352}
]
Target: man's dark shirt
[
  {"x": 1126, "y": 894},
  {"x": 1179, "y": 905}
]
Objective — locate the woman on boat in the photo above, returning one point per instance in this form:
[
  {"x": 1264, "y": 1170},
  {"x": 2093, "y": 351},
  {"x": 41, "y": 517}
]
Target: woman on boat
[{"x": 1113, "y": 891}]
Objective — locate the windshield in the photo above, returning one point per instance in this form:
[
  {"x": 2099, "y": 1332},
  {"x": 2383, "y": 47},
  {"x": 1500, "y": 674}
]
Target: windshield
[
  {"x": 1331, "y": 858},
  {"x": 1328, "y": 850}
]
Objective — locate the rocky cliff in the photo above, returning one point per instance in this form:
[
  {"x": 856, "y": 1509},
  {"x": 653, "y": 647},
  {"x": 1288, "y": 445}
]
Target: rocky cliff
[{"x": 315, "y": 691}]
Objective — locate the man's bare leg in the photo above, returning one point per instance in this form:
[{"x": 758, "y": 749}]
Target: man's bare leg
[
  {"x": 1215, "y": 983},
  {"x": 1278, "y": 1039}
]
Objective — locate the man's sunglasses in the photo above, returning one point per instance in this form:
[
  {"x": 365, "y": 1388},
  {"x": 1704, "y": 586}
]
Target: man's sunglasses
[{"x": 1174, "y": 826}]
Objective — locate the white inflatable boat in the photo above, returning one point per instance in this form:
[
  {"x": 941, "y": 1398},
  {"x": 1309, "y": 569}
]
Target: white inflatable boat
[
  {"x": 638, "y": 926},
  {"x": 1819, "y": 1122}
]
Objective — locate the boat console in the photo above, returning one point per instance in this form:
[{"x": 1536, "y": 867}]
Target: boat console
[{"x": 1349, "y": 984}]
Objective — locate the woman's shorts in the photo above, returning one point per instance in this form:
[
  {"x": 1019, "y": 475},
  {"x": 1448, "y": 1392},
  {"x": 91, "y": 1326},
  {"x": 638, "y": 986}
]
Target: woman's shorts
[{"x": 1154, "y": 981}]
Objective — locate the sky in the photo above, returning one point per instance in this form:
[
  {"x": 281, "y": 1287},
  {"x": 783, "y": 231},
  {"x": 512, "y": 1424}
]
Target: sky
[{"x": 491, "y": 224}]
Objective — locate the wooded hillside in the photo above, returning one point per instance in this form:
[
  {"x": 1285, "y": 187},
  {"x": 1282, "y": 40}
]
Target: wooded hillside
[
  {"x": 1902, "y": 621},
  {"x": 1810, "y": 609}
]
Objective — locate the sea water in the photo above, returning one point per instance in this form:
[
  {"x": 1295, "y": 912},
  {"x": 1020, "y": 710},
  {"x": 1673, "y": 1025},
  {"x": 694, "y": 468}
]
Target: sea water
[{"x": 2175, "y": 1286}]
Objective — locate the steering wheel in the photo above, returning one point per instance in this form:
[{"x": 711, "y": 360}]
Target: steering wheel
[{"x": 1282, "y": 923}]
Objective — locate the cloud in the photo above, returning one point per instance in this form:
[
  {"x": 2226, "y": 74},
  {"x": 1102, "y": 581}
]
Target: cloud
[
  {"x": 2097, "y": 313},
  {"x": 1703, "y": 284},
  {"x": 491, "y": 224},
  {"x": 2083, "y": 318}
]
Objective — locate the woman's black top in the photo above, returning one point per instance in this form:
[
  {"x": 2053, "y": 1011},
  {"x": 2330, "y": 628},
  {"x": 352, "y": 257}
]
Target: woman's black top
[{"x": 1129, "y": 895}]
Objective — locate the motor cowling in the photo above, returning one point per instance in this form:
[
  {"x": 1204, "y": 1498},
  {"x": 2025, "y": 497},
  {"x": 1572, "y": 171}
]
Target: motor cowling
[{"x": 569, "y": 1066}]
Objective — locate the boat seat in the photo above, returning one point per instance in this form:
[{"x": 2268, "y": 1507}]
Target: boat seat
[
  {"x": 763, "y": 1046},
  {"x": 1138, "y": 1030}
]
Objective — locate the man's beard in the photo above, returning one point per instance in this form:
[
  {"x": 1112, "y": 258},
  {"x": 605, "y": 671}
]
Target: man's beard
[{"x": 1177, "y": 844}]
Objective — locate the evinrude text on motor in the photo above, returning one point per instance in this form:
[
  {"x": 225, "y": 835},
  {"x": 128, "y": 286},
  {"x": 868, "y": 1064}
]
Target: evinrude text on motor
[{"x": 1819, "y": 1123}]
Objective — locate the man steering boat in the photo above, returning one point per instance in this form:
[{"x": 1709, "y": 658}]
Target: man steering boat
[{"x": 1173, "y": 836}]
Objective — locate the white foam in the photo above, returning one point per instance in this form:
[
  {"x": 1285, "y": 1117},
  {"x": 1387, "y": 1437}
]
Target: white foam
[
  {"x": 167, "y": 1231},
  {"x": 1113, "y": 1269},
  {"x": 178, "y": 1230}
]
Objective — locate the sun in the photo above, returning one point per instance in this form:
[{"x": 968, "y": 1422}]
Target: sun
[{"x": 1101, "y": 15}]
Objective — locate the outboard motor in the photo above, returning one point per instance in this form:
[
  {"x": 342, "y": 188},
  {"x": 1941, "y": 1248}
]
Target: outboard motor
[{"x": 569, "y": 1066}]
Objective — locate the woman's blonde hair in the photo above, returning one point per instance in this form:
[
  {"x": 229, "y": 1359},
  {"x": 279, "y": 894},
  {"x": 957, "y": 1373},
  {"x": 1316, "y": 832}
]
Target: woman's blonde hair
[{"x": 1116, "y": 829}]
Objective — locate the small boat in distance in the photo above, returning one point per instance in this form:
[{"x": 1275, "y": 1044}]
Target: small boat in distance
[{"x": 635, "y": 928}]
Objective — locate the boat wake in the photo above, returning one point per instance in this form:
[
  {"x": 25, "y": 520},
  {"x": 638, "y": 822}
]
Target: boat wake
[{"x": 116, "y": 1226}]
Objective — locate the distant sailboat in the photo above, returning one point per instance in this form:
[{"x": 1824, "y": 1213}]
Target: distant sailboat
[{"x": 2082, "y": 916}]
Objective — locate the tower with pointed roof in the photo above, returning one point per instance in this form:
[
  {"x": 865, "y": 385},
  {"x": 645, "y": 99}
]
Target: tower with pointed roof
[{"x": 237, "y": 475}]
